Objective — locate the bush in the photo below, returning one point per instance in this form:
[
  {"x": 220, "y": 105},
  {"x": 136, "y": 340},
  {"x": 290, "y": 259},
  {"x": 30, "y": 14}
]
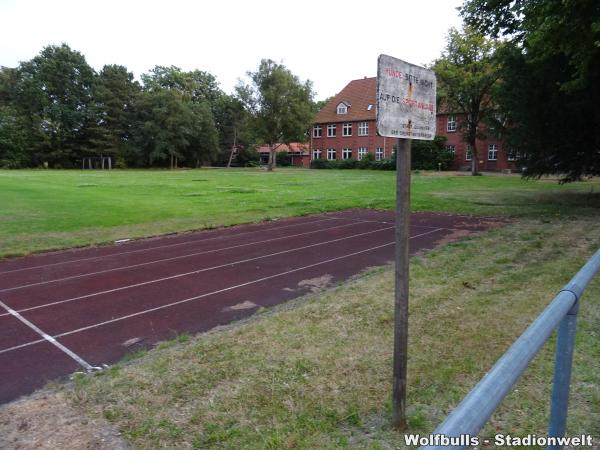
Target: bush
[
  {"x": 431, "y": 155},
  {"x": 284, "y": 159},
  {"x": 368, "y": 162}
]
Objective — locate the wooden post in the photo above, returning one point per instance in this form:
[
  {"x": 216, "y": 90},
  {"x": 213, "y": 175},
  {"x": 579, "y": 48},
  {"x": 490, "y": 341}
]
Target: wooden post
[{"x": 401, "y": 276}]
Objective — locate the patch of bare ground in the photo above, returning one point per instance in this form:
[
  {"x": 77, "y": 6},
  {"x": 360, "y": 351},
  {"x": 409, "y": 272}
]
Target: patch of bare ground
[{"x": 48, "y": 420}]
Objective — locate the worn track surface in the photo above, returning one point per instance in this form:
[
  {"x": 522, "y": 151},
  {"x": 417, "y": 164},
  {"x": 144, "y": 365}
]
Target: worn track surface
[{"x": 79, "y": 309}]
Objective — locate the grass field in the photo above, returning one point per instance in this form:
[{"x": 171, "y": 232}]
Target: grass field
[
  {"x": 43, "y": 210},
  {"x": 316, "y": 373}
]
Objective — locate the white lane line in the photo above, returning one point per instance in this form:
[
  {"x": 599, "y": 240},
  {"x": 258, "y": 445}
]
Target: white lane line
[
  {"x": 363, "y": 220},
  {"x": 197, "y": 271},
  {"x": 392, "y": 222},
  {"x": 91, "y": 258},
  {"x": 187, "y": 300},
  {"x": 46, "y": 337},
  {"x": 156, "y": 261}
]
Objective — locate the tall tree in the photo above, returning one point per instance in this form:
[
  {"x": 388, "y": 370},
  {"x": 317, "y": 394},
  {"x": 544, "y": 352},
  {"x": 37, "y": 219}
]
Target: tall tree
[
  {"x": 280, "y": 104},
  {"x": 14, "y": 143},
  {"x": 550, "y": 91},
  {"x": 467, "y": 73},
  {"x": 112, "y": 113},
  {"x": 171, "y": 127},
  {"x": 54, "y": 91}
]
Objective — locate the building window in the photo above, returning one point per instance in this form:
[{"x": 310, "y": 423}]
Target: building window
[
  {"x": 379, "y": 154},
  {"x": 363, "y": 129},
  {"x": 342, "y": 108},
  {"x": 330, "y": 130},
  {"x": 492, "y": 152},
  {"x": 331, "y": 153},
  {"x": 317, "y": 131},
  {"x": 316, "y": 154},
  {"x": 469, "y": 153},
  {"x": 346, "y": 153},
  {"x": 362, "y": 151},
  {"x": 513, "y": 155},
  {"x": 451, "y": 149},
  {"x": 370, "y": 107},
  {"x": 347, "y": 129},
  {"x": 451, "y": 123}
]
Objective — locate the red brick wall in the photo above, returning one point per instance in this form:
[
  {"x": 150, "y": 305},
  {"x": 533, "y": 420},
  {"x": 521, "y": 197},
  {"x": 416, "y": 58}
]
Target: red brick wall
[
  {"x": 460, "y": 161},
  {"x": 372, "y": 141},
  {"x": 354, "y": 142}
]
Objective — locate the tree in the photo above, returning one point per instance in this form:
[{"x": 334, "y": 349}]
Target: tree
[
  {"x": 13, "y": 139},
  {"x": 232, "y": 122},
  {"x": 111, "y": 113},
  {"x": 53, "y": 92},
  {"x": 550, "y": 93},
  {"x": 280, "y": 105},
  {"x": 199, "y": 91},
  {"x": 171, "y": 127},
  {"x": 467, "y": 73}
]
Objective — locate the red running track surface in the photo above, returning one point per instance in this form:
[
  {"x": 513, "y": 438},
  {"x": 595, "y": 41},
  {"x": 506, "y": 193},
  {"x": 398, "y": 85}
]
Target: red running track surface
[{"x": 76, "y": 310}]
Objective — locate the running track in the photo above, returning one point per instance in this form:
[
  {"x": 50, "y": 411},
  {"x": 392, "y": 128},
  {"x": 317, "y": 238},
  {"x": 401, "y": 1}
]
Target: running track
[{"x": 81, "y": 309}]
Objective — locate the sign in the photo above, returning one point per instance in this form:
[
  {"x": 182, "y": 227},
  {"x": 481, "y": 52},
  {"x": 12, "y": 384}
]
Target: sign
[{"x": 405, "y": 99}]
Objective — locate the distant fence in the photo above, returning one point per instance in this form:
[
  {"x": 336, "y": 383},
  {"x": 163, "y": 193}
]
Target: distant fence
[{"x": 474, "y": 411}]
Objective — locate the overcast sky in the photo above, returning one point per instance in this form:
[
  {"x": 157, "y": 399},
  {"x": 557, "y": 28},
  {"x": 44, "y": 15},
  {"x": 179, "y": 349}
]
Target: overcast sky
[{"x": 327, "y": 41}]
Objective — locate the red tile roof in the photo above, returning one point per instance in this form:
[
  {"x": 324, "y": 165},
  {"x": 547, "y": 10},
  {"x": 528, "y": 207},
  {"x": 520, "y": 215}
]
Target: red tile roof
[
  {"x": 294, "y": 147},
  {"x": 359, "y": 94}
]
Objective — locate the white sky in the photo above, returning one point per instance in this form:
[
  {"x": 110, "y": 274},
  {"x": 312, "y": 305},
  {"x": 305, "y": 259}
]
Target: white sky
[{"x": 327, "y": 41}]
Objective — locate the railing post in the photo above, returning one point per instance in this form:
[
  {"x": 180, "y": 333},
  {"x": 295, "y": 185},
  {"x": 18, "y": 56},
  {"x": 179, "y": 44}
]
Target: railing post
[{"x": 565, "y": 344}]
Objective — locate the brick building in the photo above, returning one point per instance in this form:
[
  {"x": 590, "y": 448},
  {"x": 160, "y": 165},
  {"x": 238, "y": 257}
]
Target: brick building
[
  {"x": 346, "y": 128},
  {"x": 298, "y": 151}
]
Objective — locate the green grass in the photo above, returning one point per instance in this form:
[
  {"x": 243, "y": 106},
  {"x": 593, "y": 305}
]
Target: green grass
[
  {"x": 43, "y": 210},
  {"x": 316, "y": 373}
]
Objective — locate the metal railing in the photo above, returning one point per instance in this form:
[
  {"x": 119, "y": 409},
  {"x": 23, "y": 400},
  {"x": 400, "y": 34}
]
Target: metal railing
[{"x": 473, "y": 412}]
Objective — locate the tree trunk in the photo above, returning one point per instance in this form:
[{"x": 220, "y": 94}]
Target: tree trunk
[
  {"x": 272, "y": 159},
  {"x": 474, "y": 160},
  {"x": 232, "y": 148}
]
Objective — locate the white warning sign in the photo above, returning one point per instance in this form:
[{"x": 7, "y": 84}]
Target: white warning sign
[{"x": 405, "y": 99}]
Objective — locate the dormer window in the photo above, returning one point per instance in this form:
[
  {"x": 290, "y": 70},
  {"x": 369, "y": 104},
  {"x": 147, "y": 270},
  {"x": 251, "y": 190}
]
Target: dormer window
[{"x": 342, "y": 108}]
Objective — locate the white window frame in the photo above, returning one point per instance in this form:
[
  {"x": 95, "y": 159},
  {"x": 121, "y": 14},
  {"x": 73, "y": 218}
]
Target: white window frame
[
  {"x": 469, "y": 153},
  {"x": 316, "y": 154},
  {"x": 347, "y": 129},
  {"x": 331, "y": 154},
  {"x": 346, "y": 153},
  {"x": 379, "y": 154},
  {"x": 363, "y": 129},
  {"x": 331, "y": 130},
  {"x": 451, "y": 148},
  {"x": 342, "y": 108},
  {"x": 492, "y": 152},
  {"x": 513, "y": 155},
  {"x": 451, "y": 125},
  {"x": 362, "y": 151},
  {"x": 317, "y": 131}
]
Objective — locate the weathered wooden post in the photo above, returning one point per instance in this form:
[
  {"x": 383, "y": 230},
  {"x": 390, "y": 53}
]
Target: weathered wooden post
[{"x": 405, "y": 110}]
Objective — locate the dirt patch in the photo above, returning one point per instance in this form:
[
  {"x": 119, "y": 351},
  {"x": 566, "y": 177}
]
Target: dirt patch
[
  {"x": 243, "y": 305},
  {"x": 454, "y": 236},
  {"x": 482, "y": 224},
  {"x": 316, "y": 284},
  {"x": 46, "y": 420}
]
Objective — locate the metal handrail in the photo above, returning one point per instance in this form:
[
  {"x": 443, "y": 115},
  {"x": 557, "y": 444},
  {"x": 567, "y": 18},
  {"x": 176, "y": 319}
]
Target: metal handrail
[{"x": 473, "y": 412}]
